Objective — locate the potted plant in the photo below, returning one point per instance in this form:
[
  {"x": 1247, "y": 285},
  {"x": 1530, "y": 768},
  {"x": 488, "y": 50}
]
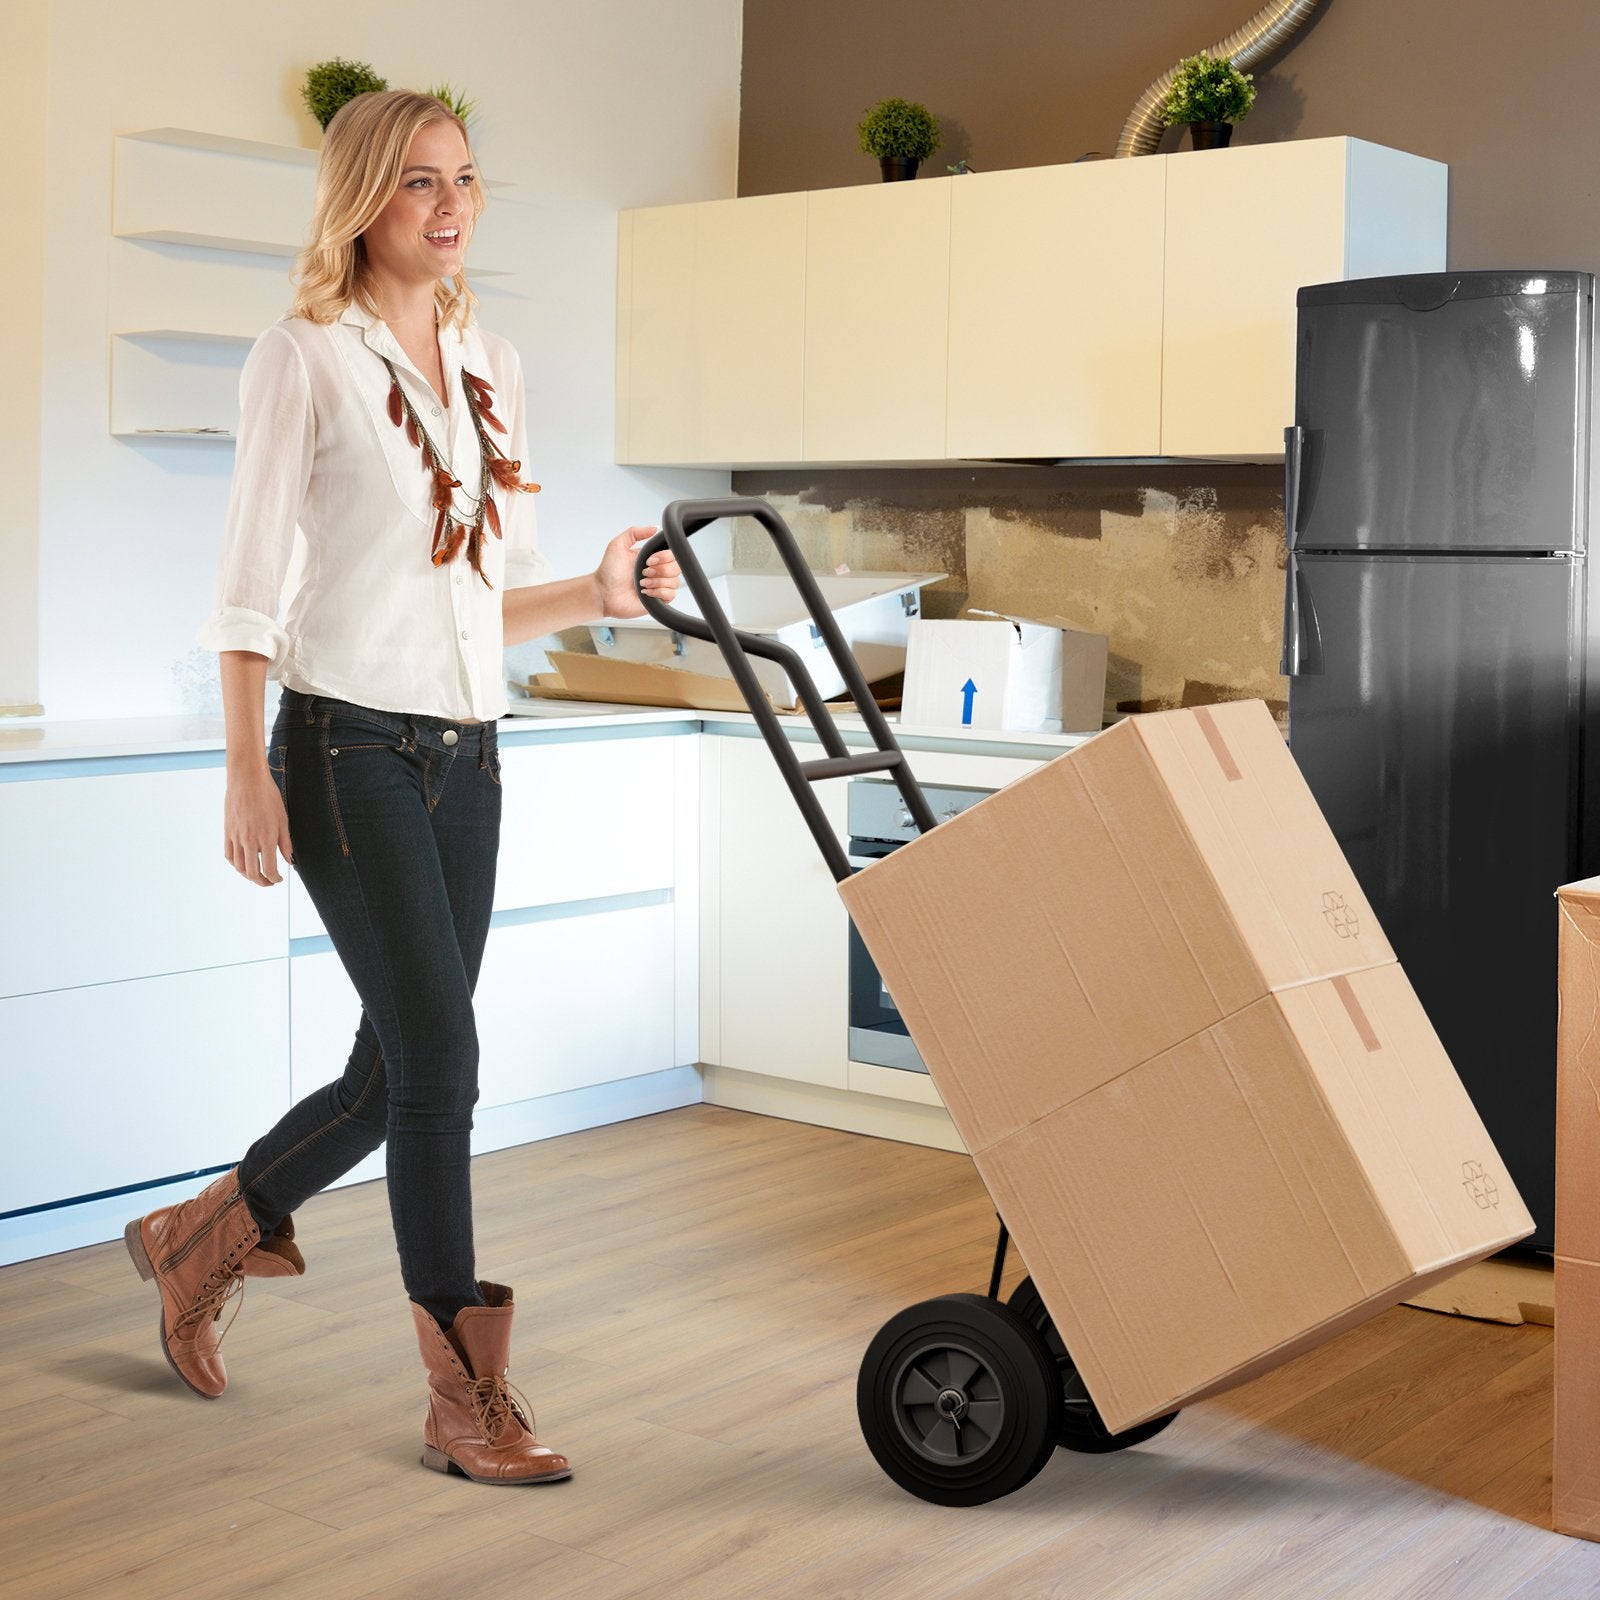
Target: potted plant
[
  {"x": 900, "y": 133},
  {"x": 463, "y": 107},
  {"x": 330, "y": 84},
  {"x": 1210, "y": 94}
]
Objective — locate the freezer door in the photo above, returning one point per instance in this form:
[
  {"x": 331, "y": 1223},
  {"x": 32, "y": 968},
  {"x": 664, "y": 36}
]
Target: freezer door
[
  {"x": 1444, "y": 411},
  {"x": 1440, "y": 739}
]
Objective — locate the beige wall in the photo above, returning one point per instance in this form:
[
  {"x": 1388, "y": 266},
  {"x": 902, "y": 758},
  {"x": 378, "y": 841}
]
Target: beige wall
[
  {"x": 22, "y": 355},
  {"x": 1181, "y": 567}
]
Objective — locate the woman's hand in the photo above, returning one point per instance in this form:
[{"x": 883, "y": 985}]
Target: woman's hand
[
  {"x": 614, "y": 576},
  {"x": 255, "y": 828}
]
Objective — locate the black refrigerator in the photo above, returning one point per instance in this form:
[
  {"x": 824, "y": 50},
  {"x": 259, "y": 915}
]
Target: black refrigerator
[{"x": 1439, "y": 641}]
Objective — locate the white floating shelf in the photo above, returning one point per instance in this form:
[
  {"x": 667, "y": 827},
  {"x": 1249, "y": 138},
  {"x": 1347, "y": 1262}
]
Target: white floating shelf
[
  {"x": 255, "y": 149},
  {"x": 225, "y": 144},
  {"x": 190, "y": 336},
  {"x": 180, "y": 435}
]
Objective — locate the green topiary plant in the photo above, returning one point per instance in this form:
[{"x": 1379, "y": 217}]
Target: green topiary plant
[
  {"x": 330, "y": 84},
  {"x": 463, "y": 107},
  {"x": 899, "y": 128},
  {"x": 1208, "y": 89}
]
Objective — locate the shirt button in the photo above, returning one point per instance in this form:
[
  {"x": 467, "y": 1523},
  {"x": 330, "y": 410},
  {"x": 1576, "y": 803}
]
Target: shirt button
[
  {"x": 436, "y": 411},
  {"x": 449, "y": 736},
  {"x": 463, "y": 633}
]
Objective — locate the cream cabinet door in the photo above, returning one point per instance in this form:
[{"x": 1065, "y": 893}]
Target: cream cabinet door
[
  {"x": 1055, "y": 311},
  {"x": 877, "y": 314},
  {"x": 711, "y": 314},
  {"x": 1245, "y": 229}
]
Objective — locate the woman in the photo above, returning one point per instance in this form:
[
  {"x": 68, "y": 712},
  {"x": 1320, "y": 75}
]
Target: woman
[{"x": 384, "y": 423}]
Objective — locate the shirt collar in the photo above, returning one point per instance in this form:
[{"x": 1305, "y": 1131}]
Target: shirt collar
[{"x": 375, "y": 334}]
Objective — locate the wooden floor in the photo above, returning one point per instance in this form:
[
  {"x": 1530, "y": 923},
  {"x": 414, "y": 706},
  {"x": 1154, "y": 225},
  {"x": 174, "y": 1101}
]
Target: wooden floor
[{"x": 696, "y": 1290}]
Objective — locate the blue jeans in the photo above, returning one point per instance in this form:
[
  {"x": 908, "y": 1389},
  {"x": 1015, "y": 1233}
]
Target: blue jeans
[{"x": 394, "y": 820}]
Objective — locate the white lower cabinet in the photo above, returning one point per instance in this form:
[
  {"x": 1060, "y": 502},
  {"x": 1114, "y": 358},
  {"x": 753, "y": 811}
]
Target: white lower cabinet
[
  {"x": 580, "y": 820},
  {"x": 584, "y": 820},
  {"x": 121, "y": 875},
  {"x": 561, "y": 1004},
  {"x": 575, "y": 1001},
  {"x": 123, "y": 1083},
  {"x": 782, "y": 982}
]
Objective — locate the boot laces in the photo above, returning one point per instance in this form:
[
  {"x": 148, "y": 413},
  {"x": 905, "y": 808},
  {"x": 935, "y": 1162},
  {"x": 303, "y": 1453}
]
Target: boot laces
[
  {"x": 495, "y": 1409},
  {"x": 222, "y": 1284}
]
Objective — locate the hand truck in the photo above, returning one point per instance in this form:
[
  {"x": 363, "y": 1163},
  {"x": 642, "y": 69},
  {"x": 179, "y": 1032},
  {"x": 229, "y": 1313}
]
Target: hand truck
[{"x": 964, "y": 1397}]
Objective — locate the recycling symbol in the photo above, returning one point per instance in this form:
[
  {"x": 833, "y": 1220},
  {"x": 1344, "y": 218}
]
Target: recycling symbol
[
  {"x": 1341, "y": 917},
  {"x": 1484, "y": 1190}
]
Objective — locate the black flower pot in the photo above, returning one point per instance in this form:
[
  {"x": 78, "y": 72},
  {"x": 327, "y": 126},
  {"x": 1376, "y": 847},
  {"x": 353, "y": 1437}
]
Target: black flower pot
[
  {"x": 897, "y": 167},
  {"x": 1210, "y": 135}
]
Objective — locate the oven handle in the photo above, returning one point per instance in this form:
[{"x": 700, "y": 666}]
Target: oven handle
[{"x": 683, "y": 518}]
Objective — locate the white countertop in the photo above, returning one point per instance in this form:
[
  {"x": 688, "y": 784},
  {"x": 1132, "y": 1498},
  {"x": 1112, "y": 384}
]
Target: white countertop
[{"x": 151, "y": 736}]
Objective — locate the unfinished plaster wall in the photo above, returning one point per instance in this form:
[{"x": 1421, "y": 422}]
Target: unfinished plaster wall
[{"x": 1181, "y": 570}]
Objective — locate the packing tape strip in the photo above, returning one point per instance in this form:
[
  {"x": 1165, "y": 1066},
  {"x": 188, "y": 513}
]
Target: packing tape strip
[
  {"x": 1341, "y": 987},
  {"x": 1219, "y": 745}
]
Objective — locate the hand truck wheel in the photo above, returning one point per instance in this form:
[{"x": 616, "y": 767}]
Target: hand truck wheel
[
  {"x": 1078, "y": 1423},
  {"x": 957, "y": 1398}
]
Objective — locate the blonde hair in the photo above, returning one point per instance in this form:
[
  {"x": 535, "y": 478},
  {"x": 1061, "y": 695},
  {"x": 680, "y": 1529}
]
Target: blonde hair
[{"x": 363, "y": 153}]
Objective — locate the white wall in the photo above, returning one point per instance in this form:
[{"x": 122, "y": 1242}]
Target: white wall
[{"x": 585, "y": 108}]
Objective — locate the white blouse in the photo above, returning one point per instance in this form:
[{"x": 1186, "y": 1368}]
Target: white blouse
[{"x": 371, "y": 620}]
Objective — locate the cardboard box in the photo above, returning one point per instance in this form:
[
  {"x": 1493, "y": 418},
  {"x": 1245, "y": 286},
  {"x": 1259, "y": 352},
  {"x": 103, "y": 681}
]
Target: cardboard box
[
  {"x": 984, "y": 670},
  {"x": 1575, "y": 1486},
  {"x": 1198, "y": 1086}
]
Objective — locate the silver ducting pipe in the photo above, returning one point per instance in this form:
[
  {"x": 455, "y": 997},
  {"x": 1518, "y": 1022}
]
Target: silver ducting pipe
[{"x": 1269, "y": 29}]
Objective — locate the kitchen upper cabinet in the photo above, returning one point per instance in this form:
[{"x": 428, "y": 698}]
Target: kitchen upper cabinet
[
  {"x": 877, "y": 306},
  {"x": 1103, "y": 309},
  {"x": 1245, "y": 229},
  {"x": 1055, "y": 311},
  {"x": 711, "y": 322}
]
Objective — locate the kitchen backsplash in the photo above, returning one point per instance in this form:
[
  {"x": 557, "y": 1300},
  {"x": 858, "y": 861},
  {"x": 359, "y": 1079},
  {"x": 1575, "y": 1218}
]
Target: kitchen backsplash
[{"x": 1181, "y": 569}]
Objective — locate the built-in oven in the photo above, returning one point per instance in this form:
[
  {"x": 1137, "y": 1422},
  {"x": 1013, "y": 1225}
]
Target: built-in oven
[{"x": 879, "y": 822}]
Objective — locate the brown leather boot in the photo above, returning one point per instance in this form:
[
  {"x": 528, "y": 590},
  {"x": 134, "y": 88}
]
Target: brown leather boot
[
  {"x": 277, "y": 1256},
  {"x": 195, "y": 1251},
  {"x": 474, "y": 1426}
]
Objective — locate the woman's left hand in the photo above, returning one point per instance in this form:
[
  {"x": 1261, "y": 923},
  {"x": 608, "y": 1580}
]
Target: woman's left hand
[{"x": 614, "y": 576}]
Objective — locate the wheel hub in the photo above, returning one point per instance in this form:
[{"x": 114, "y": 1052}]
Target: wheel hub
[{"x": 948, "y": 1404}]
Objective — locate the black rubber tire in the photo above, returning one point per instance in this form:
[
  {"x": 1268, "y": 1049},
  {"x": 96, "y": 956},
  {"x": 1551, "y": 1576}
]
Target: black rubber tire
[
  {"x": 1078, "y": 1418},
  {"x": 957, "y": 1399}
]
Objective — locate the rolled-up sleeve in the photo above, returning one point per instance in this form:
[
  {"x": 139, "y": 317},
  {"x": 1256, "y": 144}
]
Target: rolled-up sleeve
[
  {"x": 272, "y": 466},
  {"x": 525, "y": 562}
]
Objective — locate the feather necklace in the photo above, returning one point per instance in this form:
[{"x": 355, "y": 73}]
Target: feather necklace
[{"x": 453, "y": 530}]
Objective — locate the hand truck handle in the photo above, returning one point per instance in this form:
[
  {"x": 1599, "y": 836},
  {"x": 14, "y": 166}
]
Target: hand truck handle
[{"x": 679, "y": 521}]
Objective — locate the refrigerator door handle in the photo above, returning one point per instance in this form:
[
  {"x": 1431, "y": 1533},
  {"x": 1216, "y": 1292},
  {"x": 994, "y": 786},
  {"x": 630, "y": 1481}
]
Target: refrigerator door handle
[
  {"x": 1294, "y": 440},
  {"x": 1302, "y": 634}
]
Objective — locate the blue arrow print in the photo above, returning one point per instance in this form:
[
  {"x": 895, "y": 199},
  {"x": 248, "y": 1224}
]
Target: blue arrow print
[{"x": 968, "y": 690}]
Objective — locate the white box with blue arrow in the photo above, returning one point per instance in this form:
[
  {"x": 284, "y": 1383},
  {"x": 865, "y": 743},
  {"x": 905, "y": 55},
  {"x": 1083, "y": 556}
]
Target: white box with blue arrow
[{"x": 985, "y": 669}]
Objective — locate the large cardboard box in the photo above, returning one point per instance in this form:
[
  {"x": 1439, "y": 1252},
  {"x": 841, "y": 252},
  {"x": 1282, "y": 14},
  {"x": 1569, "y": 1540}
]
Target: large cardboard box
[
  {"x": 985, "y": 670},
  {"x": 1198, "y": 1086},
  {"x": 1575, "y": 1485}
]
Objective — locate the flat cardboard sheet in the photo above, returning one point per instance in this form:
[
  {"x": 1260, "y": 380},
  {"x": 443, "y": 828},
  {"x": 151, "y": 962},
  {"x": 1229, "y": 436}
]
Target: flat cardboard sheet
[{"x": 1166, "y": 1023}]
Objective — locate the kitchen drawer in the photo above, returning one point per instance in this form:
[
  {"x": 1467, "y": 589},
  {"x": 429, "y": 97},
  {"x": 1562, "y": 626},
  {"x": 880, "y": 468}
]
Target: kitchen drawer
[
  {"x": 123, "y": 1083},
  {"x": 561, "y": 1004},
  {"x": 580, "y": 821},
  {"x": 121, "y": 875}
]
